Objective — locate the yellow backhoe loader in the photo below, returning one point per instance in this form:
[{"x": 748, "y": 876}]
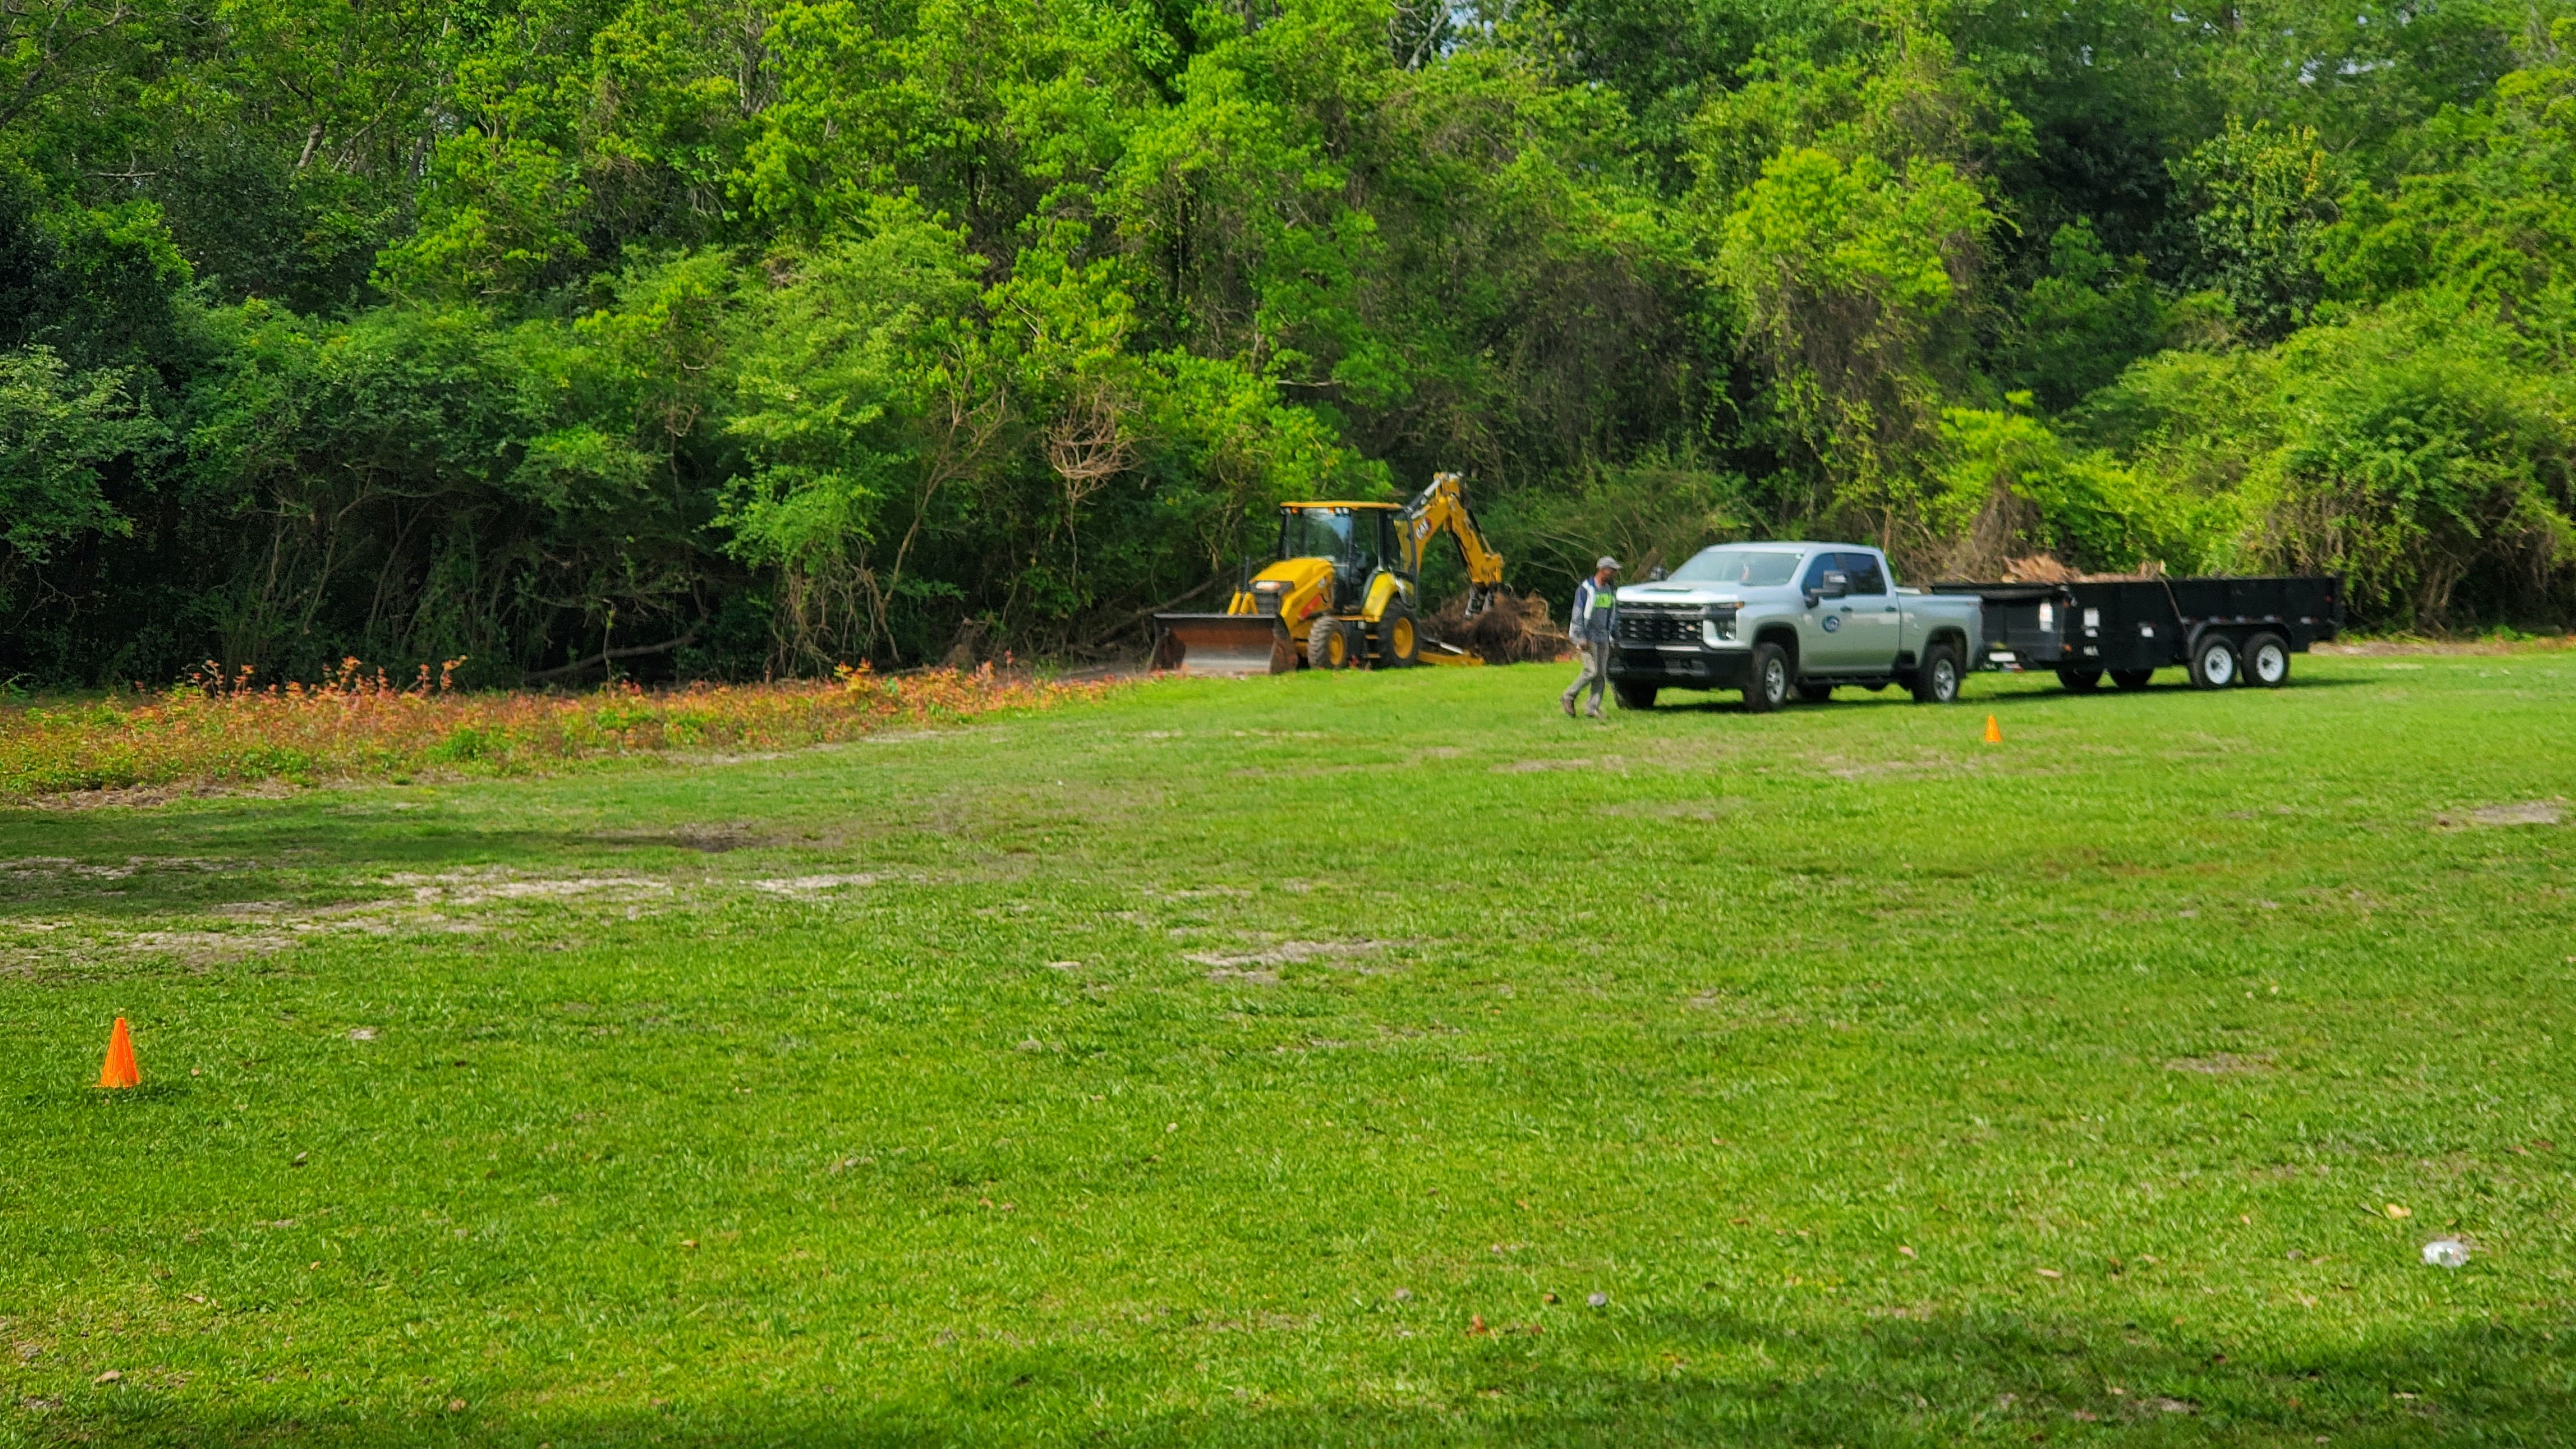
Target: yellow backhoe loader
[{"x": 1342, "y": 594}]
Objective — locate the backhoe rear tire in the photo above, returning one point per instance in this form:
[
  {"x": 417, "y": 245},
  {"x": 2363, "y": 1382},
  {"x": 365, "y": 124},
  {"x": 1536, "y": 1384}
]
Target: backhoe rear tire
[{"x": 1399, "y": 639}]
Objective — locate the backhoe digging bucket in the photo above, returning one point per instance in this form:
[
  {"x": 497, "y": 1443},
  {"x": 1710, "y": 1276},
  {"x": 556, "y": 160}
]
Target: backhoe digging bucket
[{"x": 1227, "y": 644}]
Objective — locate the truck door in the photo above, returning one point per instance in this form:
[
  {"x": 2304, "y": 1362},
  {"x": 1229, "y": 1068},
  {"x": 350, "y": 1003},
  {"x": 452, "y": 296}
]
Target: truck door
[
  {"x": 1829, "y": 640},
  {"x": 1869, "y": 614}
]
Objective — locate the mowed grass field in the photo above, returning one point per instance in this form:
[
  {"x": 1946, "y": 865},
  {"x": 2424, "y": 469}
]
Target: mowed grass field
[{"x": 1360, "y": 1059}]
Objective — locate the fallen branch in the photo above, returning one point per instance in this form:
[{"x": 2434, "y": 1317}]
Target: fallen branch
[{"x": 636, "y": 651}]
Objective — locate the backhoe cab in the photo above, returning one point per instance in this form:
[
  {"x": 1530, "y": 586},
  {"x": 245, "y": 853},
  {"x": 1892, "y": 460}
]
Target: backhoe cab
[{"x": 1342, "y": 594}]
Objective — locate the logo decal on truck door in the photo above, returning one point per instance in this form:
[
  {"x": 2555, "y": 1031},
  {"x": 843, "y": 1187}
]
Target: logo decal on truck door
[{"x": 1833, "y": 622}]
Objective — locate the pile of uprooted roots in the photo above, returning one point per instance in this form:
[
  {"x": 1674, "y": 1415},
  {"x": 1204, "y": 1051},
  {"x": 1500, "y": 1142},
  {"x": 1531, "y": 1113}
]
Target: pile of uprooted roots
[{"x": 1512, "y": 629}]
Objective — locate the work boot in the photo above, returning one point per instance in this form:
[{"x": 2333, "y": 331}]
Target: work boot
[
  {"x": 1596, "y": 711},
  {"x": 1568, "y": 702}
]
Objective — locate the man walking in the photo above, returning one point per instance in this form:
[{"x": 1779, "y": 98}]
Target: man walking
[{"x": 1595, "y": 615}]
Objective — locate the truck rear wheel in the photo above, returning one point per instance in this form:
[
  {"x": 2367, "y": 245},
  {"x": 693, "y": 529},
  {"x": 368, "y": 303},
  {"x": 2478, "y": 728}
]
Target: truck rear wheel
[
  {"x": 1937, "y": 680},
  {"x": 2132, "y": 678},
  {"x": 1634, "y": 696},
  {"x": 2079, "y": 681},
  {"x": 1815, "y": 691},
  {"x": 2267, "y": 661},
  {"x": 2213, "y": 663},
  {"x": 1766, "y": 687}
]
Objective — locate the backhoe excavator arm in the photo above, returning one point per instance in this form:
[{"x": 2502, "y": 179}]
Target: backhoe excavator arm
[{"x": 1442, "y": 508}]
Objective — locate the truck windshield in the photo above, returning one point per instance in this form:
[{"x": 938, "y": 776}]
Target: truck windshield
[{"x": 1757, "y": 568}]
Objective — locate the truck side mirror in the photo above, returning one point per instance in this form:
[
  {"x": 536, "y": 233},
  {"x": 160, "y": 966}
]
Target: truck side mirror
[
  {"x": 1835, "y": 584},
  {"x": 1655, "y": 575}
]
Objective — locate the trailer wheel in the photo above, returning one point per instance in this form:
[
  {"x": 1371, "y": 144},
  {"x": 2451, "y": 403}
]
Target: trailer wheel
[
  {"x": 1766, "y": 688},
  {"x": 1634, "y": 696},
  {"x": 2213, "y": 663},
  {"x": 1937, "y": 682},
  {"x": 2267, "y": 661},
  {"x": 2132, "y": 678},
  {"x": 2079, "y": 681},
  {"x": 1815, "y": 691}
]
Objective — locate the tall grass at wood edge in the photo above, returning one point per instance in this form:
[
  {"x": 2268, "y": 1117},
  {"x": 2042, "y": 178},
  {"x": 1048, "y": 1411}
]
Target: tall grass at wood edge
[{"x": 227, "y": 728}]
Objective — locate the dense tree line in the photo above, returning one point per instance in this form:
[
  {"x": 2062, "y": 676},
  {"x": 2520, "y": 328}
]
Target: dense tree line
[{"x": 723, "y": 336}]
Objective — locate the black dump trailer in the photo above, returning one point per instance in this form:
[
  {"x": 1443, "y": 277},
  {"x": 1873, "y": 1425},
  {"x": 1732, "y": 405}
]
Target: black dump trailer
[{"x": 2224, "y": 631}]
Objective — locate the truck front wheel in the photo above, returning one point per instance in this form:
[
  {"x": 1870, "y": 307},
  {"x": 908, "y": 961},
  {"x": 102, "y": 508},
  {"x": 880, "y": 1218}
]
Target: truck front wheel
[
  {"x": 1767, "y": 686},
  {"x": 1635, "y": 696},
  {"x": 1937, "y": 680}
]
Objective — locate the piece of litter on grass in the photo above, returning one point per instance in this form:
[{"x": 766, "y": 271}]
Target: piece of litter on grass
[
  {"x": 109, "y": 1377},
  {"x": 2395, "y": 1211},
  {"x": 2446, "y": 1253},
  {"x": 362, "y": 1033},
  {"x": 2050, "y": 1273},
  {"x": 1599, "y": 1300},
  {"x": 1909, "y": 1252}
]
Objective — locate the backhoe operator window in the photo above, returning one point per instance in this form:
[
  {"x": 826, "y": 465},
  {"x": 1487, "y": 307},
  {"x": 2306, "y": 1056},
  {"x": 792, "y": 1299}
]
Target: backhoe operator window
[{"x": 1352, "y": 538}]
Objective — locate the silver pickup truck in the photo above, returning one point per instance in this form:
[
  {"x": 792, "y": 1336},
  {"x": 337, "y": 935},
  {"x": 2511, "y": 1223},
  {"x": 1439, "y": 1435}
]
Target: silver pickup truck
[{"x": 1773, "y": 619}]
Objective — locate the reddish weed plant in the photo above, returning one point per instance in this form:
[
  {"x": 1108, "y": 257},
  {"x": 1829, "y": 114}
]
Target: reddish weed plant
[{"x": 223, "y": 727}]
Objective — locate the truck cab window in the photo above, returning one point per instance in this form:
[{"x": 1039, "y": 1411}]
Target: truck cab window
[
  {"x": 1866, "y": 576},
  {"x": 1825, "y": 563}
]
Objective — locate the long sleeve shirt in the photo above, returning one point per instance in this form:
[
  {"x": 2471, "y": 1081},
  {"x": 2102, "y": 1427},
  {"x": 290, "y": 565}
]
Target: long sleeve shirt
[{"x": 1595, "y": 613}]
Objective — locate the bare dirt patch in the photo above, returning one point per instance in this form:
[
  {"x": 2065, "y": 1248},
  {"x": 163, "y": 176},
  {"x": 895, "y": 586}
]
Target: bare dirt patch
[
  {"x": 2221, "y": 1064},
  {"x": 1673, "y": 809},
  {"x": 707, "y": 839},
  {"x": 474, "y": 887},
  {"x": 1287, "y": 953},
  {"x": 1535, "y": 767},
  {"x": 1252, "y": 976},
  {"x": 146, "y": 796},
  {"x": 2527, "y": 812},
  {"x": 809, "y": 885}
]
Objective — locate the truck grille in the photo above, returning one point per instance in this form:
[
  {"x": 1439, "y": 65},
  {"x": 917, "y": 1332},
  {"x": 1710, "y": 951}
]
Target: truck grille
[{"x": 1658, "y": 626}]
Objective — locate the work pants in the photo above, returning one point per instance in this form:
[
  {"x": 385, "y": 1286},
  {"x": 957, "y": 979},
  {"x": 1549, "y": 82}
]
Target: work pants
[{"x": 1595, "y": 655}]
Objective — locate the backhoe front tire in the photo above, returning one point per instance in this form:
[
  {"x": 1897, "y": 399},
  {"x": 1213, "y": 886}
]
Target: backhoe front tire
[
  {"x": 1767, "y": 683},
  {"x": 1338, "y": 641},
  {"x": 1635, "y": 696}
]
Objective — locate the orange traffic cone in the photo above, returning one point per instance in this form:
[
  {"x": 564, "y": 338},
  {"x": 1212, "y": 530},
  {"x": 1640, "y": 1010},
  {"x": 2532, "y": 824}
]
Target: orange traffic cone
[
  {"x": 119, "y": 1070},
  {"x": 1994, "y": 732}
]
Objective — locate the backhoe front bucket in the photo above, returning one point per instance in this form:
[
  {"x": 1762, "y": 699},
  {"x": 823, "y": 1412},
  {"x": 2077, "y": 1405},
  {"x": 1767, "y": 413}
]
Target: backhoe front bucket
[{"x": 1227, "y": 644}]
